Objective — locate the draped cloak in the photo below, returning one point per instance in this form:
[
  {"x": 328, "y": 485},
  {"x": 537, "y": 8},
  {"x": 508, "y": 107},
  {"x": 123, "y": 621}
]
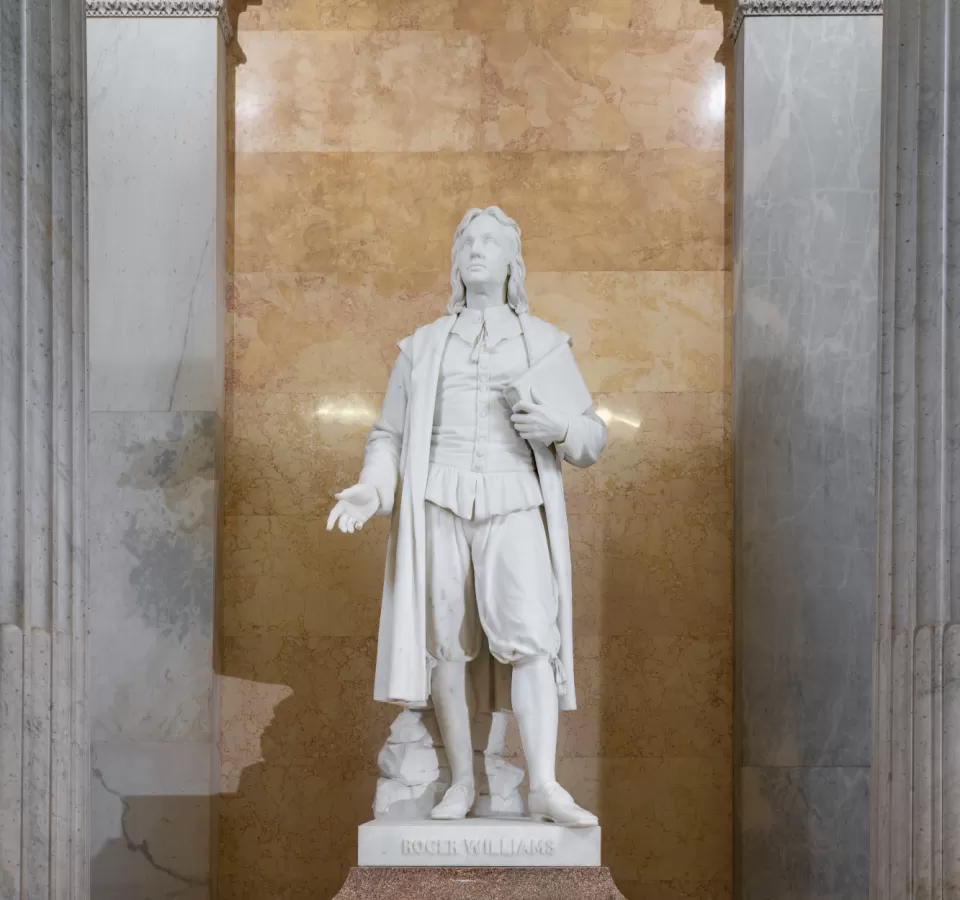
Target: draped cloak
[{"x": 397, "y": 464}]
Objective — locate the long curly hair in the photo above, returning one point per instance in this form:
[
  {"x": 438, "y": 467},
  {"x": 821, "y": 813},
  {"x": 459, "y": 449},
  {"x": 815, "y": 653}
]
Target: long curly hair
[{"x": 516, "y": 271}]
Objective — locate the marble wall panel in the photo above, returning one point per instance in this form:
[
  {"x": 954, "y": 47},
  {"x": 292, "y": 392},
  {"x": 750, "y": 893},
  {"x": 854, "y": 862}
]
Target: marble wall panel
[
  {"x": 152, "y": 494},
  {"x": 805, "y": 384},
  {"x": 359, "y": 212},
  {"x": 152, "y": 486},
  {"x": 679, "y": 814},
  {"x": 325, "y": 334},
  {"x": 806, "y": 373},
  {"x": 288, "y": 813},
  {"x": 338, "y": 332},
  {"x": 650, "y": 697},
  {"x": 602, "y": 90},
  {"x": 154, "y": 337},
  {"x": 495, "y": 15},
  {"x": 158, "y": 228},
  {"x": 675, "y": 341},
  {"x": 340, "y": 251},
  {"x": 358, "y": 91},
  {"x": 806, "y": 832},
  {"x": 152, "y": 820},
  {"x": 290, "y": 451},
  {"x": 285, "y": 574}
]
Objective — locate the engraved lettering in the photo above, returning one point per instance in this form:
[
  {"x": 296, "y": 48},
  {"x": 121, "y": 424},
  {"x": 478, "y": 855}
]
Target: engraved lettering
[{"x": 497, "y": 846}]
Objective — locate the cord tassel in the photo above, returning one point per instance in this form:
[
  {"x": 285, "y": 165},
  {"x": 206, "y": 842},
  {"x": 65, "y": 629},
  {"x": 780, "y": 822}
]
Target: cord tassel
[{"x": 559, "y": 675}]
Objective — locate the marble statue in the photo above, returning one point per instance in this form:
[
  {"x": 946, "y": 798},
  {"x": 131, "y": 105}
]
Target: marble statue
[{"x": 478, "y": 560}]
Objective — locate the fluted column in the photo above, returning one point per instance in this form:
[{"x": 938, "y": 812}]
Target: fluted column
[
  {"x": 43, "y": 311},
  {"x": 916, "y": 793}
]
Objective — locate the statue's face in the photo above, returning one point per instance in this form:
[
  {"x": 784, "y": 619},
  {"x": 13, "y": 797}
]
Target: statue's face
[{"x": 485, "y": 253}]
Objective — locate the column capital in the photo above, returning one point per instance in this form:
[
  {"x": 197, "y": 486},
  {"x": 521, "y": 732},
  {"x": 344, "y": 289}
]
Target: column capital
[
  {"x": 162, "y": 9},
  {"x": 746, "y": 8}
]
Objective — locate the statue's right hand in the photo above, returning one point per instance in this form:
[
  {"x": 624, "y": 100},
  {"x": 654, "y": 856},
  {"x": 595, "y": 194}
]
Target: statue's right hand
[{"x": 354, "y": 506}]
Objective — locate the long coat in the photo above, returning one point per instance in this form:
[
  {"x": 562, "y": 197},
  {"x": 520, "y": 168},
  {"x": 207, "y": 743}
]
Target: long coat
[{"x": 396, "y": 463}]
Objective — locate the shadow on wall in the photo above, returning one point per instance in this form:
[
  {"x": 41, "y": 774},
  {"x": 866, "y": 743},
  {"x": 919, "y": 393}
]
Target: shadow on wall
[{"x": 164, "y": 851}]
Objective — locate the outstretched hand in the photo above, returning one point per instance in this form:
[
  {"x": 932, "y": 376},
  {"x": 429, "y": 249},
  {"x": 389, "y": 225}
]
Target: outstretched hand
[
  {"x": 354, "y": 506},
  {"x": 536, "y": 422}
]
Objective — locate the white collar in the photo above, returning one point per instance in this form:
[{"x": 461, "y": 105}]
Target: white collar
[{"x": 498, "y": 322}]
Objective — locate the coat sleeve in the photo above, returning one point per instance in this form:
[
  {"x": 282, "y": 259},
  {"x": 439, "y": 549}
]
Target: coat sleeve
[
  {"x": 381, "y": 462},
  {"x": 586, "y": 436},
  {"x": 585, "y": 440}
]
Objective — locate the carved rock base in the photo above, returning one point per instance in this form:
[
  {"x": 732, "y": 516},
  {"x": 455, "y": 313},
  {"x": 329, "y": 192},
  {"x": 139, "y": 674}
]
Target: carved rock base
[{"x": 388, "y": 883}]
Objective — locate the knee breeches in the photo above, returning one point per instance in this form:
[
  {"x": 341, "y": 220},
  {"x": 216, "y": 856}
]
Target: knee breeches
[{"x": 493, "y": 574}]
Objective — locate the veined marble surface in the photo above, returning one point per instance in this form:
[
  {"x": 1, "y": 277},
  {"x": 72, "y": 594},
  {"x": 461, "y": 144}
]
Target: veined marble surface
[
  {"x": 806, "y": 376},
  {"x": 153, "y": 488},
  {"x": 156, "y": 133},
  {"x": 154, "y": 329},
  {"x": 805, "y": 380},
  {"x": 151, "y": 808},
  {"x": 805, "y": 831},
  {"x": 44, "y": 746}
]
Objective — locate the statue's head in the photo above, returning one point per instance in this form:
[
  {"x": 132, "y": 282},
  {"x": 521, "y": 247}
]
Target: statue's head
[{"x": 486, "y": 251}]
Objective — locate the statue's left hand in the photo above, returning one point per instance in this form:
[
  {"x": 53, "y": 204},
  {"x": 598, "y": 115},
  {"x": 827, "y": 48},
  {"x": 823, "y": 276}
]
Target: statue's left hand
[{"x": 536, "y": 422}]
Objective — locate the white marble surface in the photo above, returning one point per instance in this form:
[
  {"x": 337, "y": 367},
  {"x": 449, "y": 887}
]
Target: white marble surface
[
  {"x": 157, "y": 88},
  {"x": 152, "y": 586},
  {"x": 477, "y": 842},
  {"x": 155, "y": 317},
  {"x": 43, "y": 416},
  {"x": 915, "y": 795},
  {"x": 151, "y": 825},
  {"x": 152, "y": 578}
]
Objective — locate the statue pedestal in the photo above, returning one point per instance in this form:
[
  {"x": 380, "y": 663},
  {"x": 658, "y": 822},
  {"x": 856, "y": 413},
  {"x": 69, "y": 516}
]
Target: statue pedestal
[
  {"x": 490, "y": 883},
  {"x": 478, "y": 859}
]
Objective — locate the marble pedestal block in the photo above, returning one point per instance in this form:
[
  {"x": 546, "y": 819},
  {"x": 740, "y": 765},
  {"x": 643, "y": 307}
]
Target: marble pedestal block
[
  {"x": 503, "y": 843},
  {"x": 486, "y": 883},
  {"x": 492, "y": 859}
]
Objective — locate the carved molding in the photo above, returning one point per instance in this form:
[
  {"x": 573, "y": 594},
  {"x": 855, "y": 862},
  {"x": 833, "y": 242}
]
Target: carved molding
[
  {"x": 802, "y": 8},
  {"x": 161, "y": 9}
]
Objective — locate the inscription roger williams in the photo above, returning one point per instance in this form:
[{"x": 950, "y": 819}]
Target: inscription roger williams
[{"x": 477, "y": 847}]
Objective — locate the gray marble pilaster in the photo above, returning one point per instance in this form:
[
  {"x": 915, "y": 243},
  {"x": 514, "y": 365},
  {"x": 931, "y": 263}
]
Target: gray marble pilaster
[
  {"x": 807, "y": 204},
  {"x": 43, "y": 425},
  {"x": 916, "y": 786},
  {"x": 157, "y": 212},
  {"x": 805, "y": 831}
]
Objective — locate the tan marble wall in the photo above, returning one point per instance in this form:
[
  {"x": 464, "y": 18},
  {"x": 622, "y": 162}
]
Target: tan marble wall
[{"x": 363, "y": 130}]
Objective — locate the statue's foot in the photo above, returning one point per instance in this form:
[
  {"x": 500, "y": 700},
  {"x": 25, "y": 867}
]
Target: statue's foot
[
  {"x": 456, "y": 803},
  {"x": 552, "y": 803}
]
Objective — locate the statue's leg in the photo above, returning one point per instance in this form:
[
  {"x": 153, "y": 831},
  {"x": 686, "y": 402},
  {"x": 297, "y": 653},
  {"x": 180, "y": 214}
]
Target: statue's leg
[
  {"x": 453, "y": 639},
  {"x": 517, "y": 604},
  {"x": 537, "y": 708},
  {"x": 452, "y": 706}
]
